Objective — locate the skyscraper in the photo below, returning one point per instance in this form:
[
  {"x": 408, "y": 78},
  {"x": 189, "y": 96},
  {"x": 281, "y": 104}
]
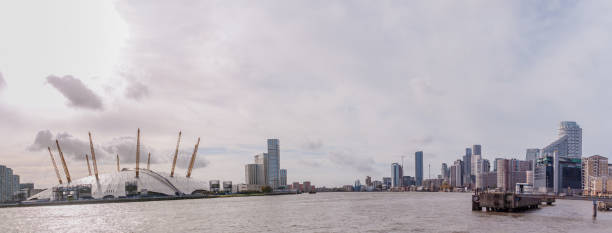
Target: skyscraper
[
  {"x": 273, "y": 162},
  {"x": 396, "y": 174},
  {"x": 574, "y": 142},
  {"x": 467, "y": 167},
  {"x": 569, "y": 143},
  {"x": 418, "y": 167},
  {"x": 444, "y": 171},
  {"x": 283, "y": 177},
  {"x": 477, "y": 150}
]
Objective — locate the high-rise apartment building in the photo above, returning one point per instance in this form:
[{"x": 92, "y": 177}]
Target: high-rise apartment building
[
  {"x": 251, "y": 174},
  {"x": 444, "y": 171},
  {"x": 396, "y": 174},
  {"x": 418, "y": 168},
  {"x": 569, "y": 143},
  {"x": 593, "y": 167},
  {"x": 283, "y": 177},
  {"x": 273, "y": 164},
  {"x": 477, "y": 150},
  {"x": 532, "y": 154},
  {"x": 9, "y": 184},
  {"x": 467, "y": 167}
]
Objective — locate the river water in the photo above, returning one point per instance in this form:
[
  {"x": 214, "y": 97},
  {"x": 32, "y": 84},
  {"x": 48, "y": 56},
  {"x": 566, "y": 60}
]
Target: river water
[{"x": 322, "y": 212}]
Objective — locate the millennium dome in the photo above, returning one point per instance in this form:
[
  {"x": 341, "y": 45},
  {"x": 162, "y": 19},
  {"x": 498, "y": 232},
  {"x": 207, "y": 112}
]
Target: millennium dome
[{"x": 123, "y": 184}]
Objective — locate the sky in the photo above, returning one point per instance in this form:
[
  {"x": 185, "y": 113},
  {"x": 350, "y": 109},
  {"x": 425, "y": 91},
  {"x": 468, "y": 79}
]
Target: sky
[{"x": 348, "y": 87}]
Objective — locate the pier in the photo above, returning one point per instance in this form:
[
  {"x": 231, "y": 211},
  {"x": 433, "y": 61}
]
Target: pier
[{"x": 508, "y": 202}]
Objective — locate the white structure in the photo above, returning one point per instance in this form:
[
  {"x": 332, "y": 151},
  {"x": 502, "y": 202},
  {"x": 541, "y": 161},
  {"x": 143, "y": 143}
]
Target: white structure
[
  {"x": 113, "y": 185},
  {"x": 254, "y": 174}
]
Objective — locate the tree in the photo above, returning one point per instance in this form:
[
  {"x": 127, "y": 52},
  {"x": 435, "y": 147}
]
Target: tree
[{"x": 266, "y": 189}]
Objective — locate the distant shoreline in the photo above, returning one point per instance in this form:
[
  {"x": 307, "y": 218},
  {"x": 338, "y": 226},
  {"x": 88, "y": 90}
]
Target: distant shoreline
[{"x": 140, "y": 199}]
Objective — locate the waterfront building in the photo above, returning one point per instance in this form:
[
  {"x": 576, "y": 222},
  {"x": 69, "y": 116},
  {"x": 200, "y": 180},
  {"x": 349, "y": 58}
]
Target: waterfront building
[
  {"x": 432, "y": 185},
  {"x": 9, "y": 184},
  {"x": 458, "y": 174},
  {"x": 227, "y": 186},
  {"x": 396, "y": 174},
  {"x": 368, "y": 181},
  {"x": 273, "y": 164},
  {"x": 569, "y": 142},
  {"x": 378, "y": 185},
  {"x": 418, "y": 167},
  {"x": 215, "y": 185},
  {"x": 387, "y": 183},
  {"x": 476, "y": 166},
  {"x": 510, "y": 172},
  {"x": 407, "y": 181},
  {"x": 486, "y": 180},
  {"x": 357, "y": 186},
  {"x": 307, "y": 186},
  {"x": 593, "y": 167},
  {"x": 254, "y": 174},
  {"x": 283, "y": 177}
]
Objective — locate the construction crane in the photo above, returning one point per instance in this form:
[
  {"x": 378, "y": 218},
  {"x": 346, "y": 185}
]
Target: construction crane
[
  {"x": 55, "y": 166},
  {"x": 149, "y": 162},
  {"x": 93, "y": 156},
  {"x": 137, "y": 152},
  {"x": 63, "y": 162},
  {"x": 88, "y": 167},
  {"x": 175, "y": 155},
  {"x": 193, "y": 156},
  {"x": 118, "y": 168}
]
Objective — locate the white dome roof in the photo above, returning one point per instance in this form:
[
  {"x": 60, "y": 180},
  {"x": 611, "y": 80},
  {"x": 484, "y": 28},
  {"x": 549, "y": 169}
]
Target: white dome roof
[{"x": 113, "y": 184}]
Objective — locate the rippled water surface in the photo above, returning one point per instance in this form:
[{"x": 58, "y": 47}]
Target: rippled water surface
[{"x": 322, "y": 212}]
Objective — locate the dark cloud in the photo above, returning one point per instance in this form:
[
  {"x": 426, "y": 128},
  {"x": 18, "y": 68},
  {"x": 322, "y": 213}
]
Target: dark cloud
[
  {"x": 78, "y": 95},
  {"x": 126, "y": 148},
  {"x": 136, "y": 90},
  {"x": 313, "y": 145},
  {"x": 359, "y": 164},
  {"x": 2, "y": 82},
  {"x": 73, "y": 148}
]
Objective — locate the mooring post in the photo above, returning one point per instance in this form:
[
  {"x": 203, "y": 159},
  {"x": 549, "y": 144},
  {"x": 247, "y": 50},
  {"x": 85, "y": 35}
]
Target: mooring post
[{"x": 594, "y": 208}]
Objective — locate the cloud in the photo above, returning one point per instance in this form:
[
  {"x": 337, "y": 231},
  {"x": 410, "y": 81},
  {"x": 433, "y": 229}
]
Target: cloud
[
  {"x": 313, "y": 145},
  {"x": 356, "y": 162},
  {"x": 136, "y": 90},
  {"x": 75, "y": 148},
  {"x": 2, "y": 82},
  {"x": 72, "y": 147},
  {"x": 78, "y": 95},
  {"x": 184, "y": 158}
]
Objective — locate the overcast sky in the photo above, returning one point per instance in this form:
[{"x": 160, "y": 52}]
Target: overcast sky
[{"x": 347, "y": 86}]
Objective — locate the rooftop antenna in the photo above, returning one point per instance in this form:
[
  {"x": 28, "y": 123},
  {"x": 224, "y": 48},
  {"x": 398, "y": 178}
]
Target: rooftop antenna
[
  {"x": 93, "y": 156},
  {"x": 118, "y": 168},
  {"x": 175, "y": 154},
  {"x": 63, "y": 162},
  {"x": 55, "y": 166},
  {"x": 195, "y": 151},
  {"x": 88, "y": 167},
  {"x": 137, "y": 152}
]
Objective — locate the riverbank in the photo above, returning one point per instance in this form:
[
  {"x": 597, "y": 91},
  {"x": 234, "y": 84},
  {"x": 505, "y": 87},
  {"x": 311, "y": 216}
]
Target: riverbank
[{"x": 139, "y": 199}]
